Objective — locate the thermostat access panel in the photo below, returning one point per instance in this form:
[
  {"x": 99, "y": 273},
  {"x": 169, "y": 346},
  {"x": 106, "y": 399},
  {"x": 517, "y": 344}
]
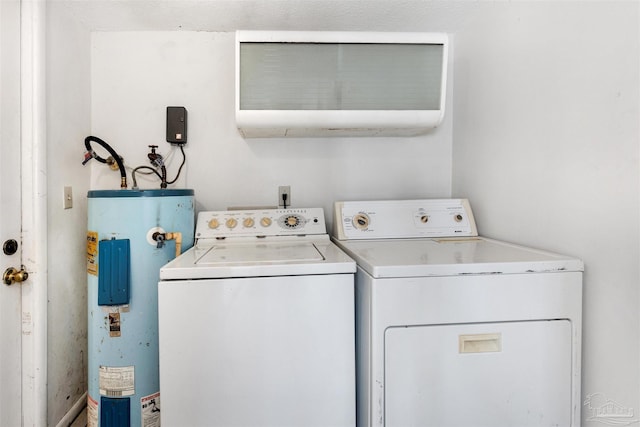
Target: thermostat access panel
[{"x": 404, "y": 219}]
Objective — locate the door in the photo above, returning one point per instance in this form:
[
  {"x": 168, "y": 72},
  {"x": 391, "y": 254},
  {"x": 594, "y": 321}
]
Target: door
[
  {"x": 483, "y": 374},
  {"x": 10, "y": 214}
]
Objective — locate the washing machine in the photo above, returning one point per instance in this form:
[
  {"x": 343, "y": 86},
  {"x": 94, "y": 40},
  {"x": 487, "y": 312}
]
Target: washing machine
[
  {"x": 455, "y": 329},
  {"x": 256, "y": 324}
]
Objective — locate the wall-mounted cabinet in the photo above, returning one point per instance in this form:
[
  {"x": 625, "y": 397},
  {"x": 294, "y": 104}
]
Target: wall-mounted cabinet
[{"x": 294, "y": 84}]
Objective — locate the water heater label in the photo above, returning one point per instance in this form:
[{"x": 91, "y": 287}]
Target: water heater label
[
  {"x": 116, "y": 381},
  {"x": 92, "y": 252},
  {"x": 114, "y": 325},
  {"x": 150, "y": 410}
]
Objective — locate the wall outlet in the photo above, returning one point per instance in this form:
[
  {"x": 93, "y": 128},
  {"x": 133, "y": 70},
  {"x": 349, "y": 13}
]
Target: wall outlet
[{"x": 284, "y": 196}]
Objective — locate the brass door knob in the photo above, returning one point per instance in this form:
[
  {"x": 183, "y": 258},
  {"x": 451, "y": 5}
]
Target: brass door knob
[{"x": 12, "y": 275}]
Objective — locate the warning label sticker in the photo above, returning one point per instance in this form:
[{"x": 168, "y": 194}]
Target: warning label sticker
[
  {"x": 92, "y": 412},
  {"x": 114, "y": 324},
  {"x": 92, "y": 252},
  {"x": 150, "y": 410},
  {"x": 116, "y": 381}
]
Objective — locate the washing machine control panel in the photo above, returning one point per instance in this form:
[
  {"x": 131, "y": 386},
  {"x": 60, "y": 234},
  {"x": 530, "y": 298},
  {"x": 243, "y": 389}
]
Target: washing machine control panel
[
  {"x": 390, "y": 219},
  {"x": 260, "y": 223}
]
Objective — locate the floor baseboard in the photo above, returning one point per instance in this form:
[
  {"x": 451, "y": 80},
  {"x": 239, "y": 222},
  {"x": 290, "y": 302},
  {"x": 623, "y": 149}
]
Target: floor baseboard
[{"x": 76, "y": 409}]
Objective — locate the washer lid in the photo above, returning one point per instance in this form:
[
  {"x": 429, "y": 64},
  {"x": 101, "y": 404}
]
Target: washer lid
[
  {"x": 282, "y": 257},
  {"x": 452, "y": 256},
  {"x": 248, "y": 253}
]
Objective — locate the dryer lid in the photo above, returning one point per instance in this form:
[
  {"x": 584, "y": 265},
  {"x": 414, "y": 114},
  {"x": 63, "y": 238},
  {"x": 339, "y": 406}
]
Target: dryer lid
[{"x": 451, "y": 257}]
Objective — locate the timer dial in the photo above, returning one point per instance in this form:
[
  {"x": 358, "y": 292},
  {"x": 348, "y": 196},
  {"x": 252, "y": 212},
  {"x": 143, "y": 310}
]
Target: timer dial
[
  {"x": 360, "y": 221},
  {"x": 292, "y": 221}
]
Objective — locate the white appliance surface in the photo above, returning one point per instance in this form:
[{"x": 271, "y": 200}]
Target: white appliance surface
[
  {"x": 479, "y": 386},
  {"x": 459, "y": 331},
  {"x": 452, "y": 256},
  {"x": 394, "y": 219},
  {"x": 265, "y": 242},
  {"x": 256, "y": 324}
]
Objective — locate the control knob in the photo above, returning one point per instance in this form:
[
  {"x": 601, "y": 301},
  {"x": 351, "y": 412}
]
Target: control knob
[
  {"x": 360, "y": 221},
  {"x": 292, "y": 221}
]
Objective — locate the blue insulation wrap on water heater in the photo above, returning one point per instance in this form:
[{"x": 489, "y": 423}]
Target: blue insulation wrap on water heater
[{"x": 131, "y": 234}]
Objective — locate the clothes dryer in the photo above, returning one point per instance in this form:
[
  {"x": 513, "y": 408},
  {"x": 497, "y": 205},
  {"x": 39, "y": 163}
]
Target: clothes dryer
[{"x": 453, "y": 329}]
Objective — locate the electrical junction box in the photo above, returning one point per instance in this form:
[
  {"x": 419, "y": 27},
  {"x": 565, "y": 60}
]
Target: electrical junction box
[{"x": 177, "y": 125}]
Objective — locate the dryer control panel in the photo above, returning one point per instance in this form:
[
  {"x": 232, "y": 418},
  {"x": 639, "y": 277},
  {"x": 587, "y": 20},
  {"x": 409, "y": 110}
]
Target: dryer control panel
[
  {"x": 260, "y": 223},
  {"x": 396, "y": 219}
]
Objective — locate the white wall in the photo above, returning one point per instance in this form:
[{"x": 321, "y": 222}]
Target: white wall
[
  {"x": 68, "y": 121},
  {"x": 546, "y": 126},
  {"x": 135, "y": 75},
  {"x": 543, "y": 134},
  {"x": 119, "y": 92}
]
